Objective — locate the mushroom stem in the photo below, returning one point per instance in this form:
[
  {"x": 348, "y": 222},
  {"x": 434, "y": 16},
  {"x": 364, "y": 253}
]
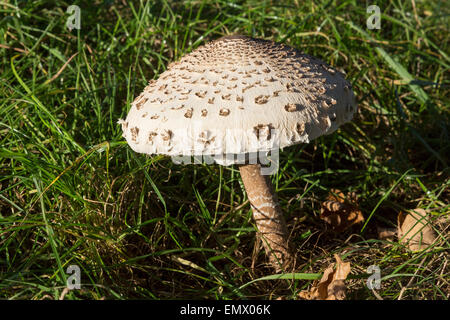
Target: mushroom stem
[{"x": 268, "y": 216}]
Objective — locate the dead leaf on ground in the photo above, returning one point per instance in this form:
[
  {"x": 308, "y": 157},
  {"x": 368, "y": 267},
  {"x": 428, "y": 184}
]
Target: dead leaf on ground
[
  {"x": 331, "y": 286},
  {"x": 386, "y": 233},
  {"x": 341, "y": 212},
  {"x": 414, "y": 229}
]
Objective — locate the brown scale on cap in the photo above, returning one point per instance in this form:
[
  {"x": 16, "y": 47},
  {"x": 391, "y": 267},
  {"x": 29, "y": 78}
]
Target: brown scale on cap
[
  {"x": 140, "y": 103},
  {"x": 203, "y": 138},
  {"x": 262, "y": 99},
  {"x": 321, "y": 90},
  {"x": 201, "y": 94},
  {"x": 226, "y": 96},
  {"x": 188, "y": 113},
  {"x": 151, "y": 136},
  {"x": 292, "y": 107},
  {"x": 324, "y": 122},
  {"x": 224, "y": 112},
  {"x": 134, "y": 133},
  {"x": 167, "y": 135},
  {"x": 186, "y": 92},
  {"x": 300, "y": 128},
  {"x": 263, "y": 131},
  {"x": 181, "y": 106}
]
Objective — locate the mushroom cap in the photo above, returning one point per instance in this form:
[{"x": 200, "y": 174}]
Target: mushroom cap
[{"x": 237, "y": 96}]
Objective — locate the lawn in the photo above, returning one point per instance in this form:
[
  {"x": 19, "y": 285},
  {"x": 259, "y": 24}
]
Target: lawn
[{"x": 72, "y": 192}]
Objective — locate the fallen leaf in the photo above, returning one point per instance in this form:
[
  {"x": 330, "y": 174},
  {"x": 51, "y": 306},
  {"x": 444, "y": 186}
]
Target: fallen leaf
[
  {"x": 386, "y": 233},
  {"x": 414, "y": 229},
  {"x": 341, "y": 212},
  {"x": 331, "y": 286}
]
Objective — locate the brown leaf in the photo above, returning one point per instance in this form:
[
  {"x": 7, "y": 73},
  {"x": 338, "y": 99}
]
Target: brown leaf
[
  {"x": 341, "y": 212},
  {"x": 331, "y": 286},
  {"x": 336, "y": 195},
  {"x": 414, "y": 229},
  {"x": 386, "y": 233}
]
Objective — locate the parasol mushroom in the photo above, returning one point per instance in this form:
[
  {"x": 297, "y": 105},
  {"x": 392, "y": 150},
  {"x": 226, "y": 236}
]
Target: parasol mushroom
[{"x": 234, "y": 99}]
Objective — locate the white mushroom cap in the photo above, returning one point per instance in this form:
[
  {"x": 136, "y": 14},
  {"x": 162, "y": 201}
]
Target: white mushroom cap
[{"x": 236, "y": 96}]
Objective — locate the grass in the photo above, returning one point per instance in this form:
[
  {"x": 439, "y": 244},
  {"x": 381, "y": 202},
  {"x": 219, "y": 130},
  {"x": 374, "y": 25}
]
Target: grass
[{"x": 73, "y": 192}]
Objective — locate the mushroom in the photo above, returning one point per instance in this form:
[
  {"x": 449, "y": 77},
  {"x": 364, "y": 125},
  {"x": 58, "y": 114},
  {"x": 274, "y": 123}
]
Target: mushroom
[{"x": 234, "y": 99}]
